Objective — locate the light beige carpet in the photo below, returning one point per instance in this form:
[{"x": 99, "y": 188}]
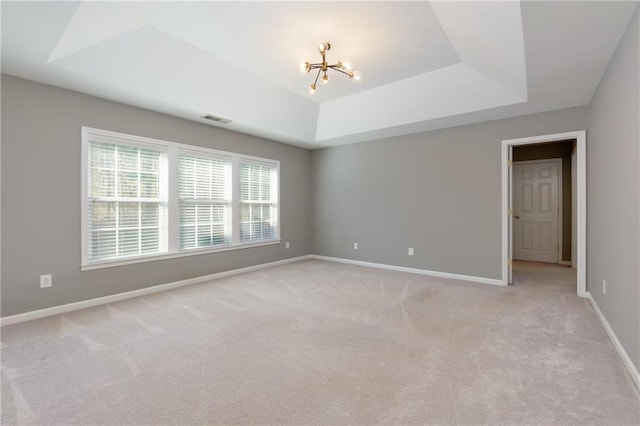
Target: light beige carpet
[{"x": 324, "y": 343}]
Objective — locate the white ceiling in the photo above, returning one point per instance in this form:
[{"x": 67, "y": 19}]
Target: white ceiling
[{"x": 425, "y": 65}]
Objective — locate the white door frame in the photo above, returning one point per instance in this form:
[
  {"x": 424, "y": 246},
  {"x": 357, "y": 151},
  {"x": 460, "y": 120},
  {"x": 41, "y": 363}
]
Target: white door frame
[
  {"x": 560, "y": 200},
  {"x": 581, "y": 200}
]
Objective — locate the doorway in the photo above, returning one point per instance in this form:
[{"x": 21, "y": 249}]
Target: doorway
[{"x": 579, "y": 214}]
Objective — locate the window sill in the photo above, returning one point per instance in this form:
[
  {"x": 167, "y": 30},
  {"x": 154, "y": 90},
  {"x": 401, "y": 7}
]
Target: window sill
[{"x": 153, "y": 258}]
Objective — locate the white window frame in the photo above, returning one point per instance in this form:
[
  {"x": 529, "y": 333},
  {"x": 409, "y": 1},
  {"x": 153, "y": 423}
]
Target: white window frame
[
  {"x": 212, "y": 156},
  {"x": 163, "y": 188},
  {"x": 173, "y": 150},
  {"x": 260, "y": 163}
]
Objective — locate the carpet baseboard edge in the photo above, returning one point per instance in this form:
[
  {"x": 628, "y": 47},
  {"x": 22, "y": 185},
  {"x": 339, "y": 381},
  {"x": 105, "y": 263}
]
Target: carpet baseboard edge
[
  {"x": 83, "y": 304},
  {"x": 470, "y": 278},
  {"x": 631, "y": 368}
]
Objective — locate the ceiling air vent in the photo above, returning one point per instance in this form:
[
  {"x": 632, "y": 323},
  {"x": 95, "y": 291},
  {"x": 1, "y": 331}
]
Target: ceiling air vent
[{"x": 217, "y": 119}]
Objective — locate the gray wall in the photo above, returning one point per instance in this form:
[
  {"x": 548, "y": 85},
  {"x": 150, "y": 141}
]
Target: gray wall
[
  {"x": 561, "y": 149},
  {"x": 438, "y": 192},
  {"x": 613, "y": 193},
  {"x": 41, "y": 196}
]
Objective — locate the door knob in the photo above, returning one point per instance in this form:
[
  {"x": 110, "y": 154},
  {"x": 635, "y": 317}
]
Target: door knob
[{"x": 517, "y": 217}]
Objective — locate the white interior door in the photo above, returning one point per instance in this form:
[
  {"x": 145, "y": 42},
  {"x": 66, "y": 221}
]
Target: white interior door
[{"x": 536, "y": 210}]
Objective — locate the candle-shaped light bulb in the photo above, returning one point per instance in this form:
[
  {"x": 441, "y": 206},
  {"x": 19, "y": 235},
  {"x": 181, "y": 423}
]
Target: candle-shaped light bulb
[
  {"x": 304, "y": 67},
  {"x": 323, "y": 47}
]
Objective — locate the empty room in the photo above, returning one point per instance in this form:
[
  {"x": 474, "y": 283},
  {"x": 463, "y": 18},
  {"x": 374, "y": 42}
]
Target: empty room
[{"x": 315, "y": 212}]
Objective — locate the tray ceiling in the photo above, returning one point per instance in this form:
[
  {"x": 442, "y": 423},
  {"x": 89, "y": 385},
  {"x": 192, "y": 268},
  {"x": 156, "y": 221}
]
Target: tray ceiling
[{"x": 425, "y": 65}]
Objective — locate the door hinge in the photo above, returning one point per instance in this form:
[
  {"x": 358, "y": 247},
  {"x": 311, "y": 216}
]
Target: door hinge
[
  {"x": 509, "y": 163},
  {"x": 509, "y": 261},
  {"x": 509, "y": 212}
]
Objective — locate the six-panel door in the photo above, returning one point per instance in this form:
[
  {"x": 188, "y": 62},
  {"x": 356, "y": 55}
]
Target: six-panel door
[{"x": 536, "y": 211}]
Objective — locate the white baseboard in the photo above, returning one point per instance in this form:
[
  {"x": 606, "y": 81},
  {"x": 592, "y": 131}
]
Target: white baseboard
[
  {"x": 471, "y": 278},
  {"x": 631, "y": 368},
  {"x": 61, "y": 309}
]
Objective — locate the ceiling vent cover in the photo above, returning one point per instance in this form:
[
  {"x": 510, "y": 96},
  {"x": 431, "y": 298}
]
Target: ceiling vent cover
[{"x": 217, "y": 119}]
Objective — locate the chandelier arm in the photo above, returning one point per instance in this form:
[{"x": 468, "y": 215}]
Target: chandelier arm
[
  {"x": 317, "y": 76},
  {"x": 334, "y": 67}
]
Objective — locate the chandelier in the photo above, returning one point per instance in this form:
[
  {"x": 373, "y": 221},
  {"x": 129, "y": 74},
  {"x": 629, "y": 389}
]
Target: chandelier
[{"x": 323, "y": 67}]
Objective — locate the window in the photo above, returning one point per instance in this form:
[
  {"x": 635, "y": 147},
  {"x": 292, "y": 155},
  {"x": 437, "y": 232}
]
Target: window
[
  {"x": 258, "y": 205},
  {"x": 126, "y": 203},
  {"x": 146, "y": 199},
  {"x": 205, "y": 201}
]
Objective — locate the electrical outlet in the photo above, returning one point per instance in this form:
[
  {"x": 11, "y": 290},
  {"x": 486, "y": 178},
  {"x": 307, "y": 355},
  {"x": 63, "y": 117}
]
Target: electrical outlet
[
  {"x": 45, "y": 281},
  {"x": 355, "y": 246},
  {"x": 604, "y": 286},
  {"x": 287, "y": 245},
  {"x": 410, "y": 251}
]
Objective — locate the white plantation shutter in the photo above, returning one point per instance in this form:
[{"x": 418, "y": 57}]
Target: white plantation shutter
[
  {"x": 126, "y": 201},
  {"x": 258, "y": 201},
  {"x": 204, "y": 187}
]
